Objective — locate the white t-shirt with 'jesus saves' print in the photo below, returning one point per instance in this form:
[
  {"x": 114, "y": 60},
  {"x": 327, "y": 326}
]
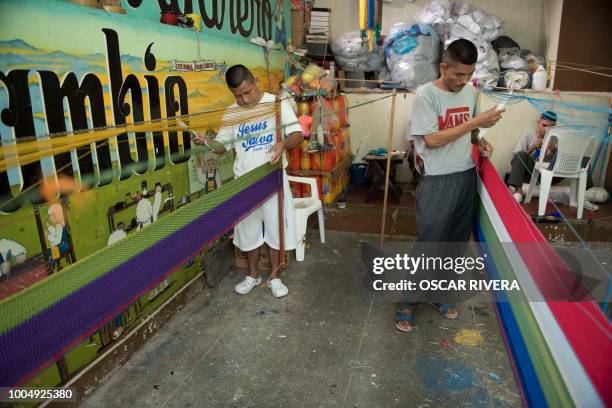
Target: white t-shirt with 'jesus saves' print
[{"x": 253, "y": 140}]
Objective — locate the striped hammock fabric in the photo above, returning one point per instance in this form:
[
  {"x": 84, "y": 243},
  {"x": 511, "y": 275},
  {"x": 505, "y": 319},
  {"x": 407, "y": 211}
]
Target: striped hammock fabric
[
  {"x": 561, "y": 351},
  {"x": 51, "y": 317}
]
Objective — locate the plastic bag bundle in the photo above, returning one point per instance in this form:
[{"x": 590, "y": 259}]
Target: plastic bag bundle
[
  {"x": 375, "y": 60},
  {"x": 487, "y": 66},
  {"x": 466, "y": 27},
  {"x": 412, "y": 75},
  {"x": 433, "y": 13},
  {"x": 510, "y": 58},
  {"x": 514, "y": 79},
  {"x": 351, "y": 53},
  {"x": 371, "y": 61},
  {"x": 412, "y": 53},
  {"x": 462, "y": 22},
  {"x": 490, "y": 26},
  {"x": 504, "y": 42},
  {"x": 532, "y": 60},
  {"x": 349, "y": 45},
  {"x": 427, "y": 49},
  {"x": 351, "y": 64}
]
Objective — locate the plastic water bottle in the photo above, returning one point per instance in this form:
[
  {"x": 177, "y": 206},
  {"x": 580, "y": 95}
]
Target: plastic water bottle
[{"x": 538, "y": 81}]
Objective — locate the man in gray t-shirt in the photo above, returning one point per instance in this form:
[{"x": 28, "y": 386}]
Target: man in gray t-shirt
[{"x": 443, "y": 119}]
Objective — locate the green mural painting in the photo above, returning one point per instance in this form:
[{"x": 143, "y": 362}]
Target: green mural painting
[{"x": 64, "y": 68}]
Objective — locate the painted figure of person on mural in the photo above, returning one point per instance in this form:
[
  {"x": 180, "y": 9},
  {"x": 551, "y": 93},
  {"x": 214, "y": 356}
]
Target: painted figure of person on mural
[
  {"x": 207, "y": 172},
  {"x": 255, "y": 144},
  {"x": 280, "y": 37},
  {"x": 56, "y": 235}
]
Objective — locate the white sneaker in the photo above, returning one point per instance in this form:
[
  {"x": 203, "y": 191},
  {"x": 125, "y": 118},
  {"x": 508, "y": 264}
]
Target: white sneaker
[
  {"x": 278, "y": 288},
  {"x": 589, "y": 206},
  {"x": 246, "y": 285},
  {"x": 518, "y": 197},
  {"x": 512, "y": 189}
]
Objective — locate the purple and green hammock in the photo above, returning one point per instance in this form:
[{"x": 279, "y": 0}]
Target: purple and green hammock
[{"x": 44, "y": 321}]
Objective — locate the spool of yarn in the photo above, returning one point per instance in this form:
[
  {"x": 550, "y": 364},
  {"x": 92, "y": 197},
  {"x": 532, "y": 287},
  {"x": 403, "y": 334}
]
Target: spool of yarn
[{"x": 597, "y": 195}]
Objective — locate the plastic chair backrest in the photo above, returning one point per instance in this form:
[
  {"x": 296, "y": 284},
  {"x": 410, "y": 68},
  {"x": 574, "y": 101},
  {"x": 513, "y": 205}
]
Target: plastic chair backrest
[{"x": 572, "y": 145}]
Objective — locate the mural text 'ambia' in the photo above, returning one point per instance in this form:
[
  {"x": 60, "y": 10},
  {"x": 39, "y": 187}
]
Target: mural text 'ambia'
[{"x": 67, "y": 68}]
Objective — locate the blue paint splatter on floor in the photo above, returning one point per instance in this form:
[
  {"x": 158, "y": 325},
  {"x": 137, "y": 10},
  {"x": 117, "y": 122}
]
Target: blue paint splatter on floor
[{"x": 444, "y": 374}]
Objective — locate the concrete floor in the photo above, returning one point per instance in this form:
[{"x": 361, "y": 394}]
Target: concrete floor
[{"x": 329, "y": 343}]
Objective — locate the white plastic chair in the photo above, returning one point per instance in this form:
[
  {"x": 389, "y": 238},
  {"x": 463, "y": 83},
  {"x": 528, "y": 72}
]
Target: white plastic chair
[
  {"x": 304, "y": 207},
  {"x": 572, "y": 146}
]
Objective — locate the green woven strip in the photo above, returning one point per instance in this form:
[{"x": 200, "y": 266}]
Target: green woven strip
[
  {"x": 553, "y": 385},
  {"x": 43, "y": 294}
]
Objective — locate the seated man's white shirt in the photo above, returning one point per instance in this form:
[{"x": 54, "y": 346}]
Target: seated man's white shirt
[{"x": 524, "y": 143}]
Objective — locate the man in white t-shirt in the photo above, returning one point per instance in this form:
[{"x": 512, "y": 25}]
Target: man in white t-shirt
[
  {"x": 255, "y": 144},
  {"x": 526, "y": 152}
]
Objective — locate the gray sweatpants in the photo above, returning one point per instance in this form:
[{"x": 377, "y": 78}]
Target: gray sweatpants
[
  {"x": 445, "y": 207},
  {"x": 445, "y": 213}
]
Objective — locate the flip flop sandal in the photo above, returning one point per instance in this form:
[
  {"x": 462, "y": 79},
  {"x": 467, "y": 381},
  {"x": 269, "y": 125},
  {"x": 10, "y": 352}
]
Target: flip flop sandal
[
  {"x": 402, "y": 316},
  {"x": 443, "y": 309}
]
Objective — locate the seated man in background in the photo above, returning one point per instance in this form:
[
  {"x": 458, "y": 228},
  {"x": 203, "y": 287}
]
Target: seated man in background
[{"x": 527, "y": 152}]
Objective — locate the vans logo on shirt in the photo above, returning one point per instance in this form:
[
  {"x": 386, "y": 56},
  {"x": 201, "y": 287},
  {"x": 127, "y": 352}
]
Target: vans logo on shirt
[{"x": 453, "y": 118}]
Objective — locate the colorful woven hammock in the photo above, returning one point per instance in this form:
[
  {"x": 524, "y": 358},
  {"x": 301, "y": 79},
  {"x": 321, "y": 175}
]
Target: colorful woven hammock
[
  {"x": 48, "y": 319},
  {"x": 561, "y": 351}
]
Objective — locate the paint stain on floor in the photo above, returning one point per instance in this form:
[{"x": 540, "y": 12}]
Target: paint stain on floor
[
  {"x": 469, "y": 337},
  {"x": 444, "y": 375}
]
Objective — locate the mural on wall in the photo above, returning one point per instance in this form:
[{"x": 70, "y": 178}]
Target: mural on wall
[
  {"x": 208, "y": 171},
  {"x": 73, "y": 68}
]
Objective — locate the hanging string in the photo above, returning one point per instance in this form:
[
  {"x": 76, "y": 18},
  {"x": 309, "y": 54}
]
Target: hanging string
[
  {"x": 29, "y": 150},
  {"x": 4, "y": 164}
]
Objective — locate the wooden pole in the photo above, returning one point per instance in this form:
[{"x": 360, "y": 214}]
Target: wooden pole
[
  {"x": 281, "y": 207},
  {"x": 388, "y": 170}
]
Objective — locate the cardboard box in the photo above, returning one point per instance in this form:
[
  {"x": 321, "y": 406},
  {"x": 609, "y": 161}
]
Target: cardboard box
[{"x": 298, "y": 28}]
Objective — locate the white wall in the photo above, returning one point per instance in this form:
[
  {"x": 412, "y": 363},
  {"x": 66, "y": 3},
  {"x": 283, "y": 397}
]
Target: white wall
[
  {"x": 523, "y": 18},
  {"x": 526, "y": 21}
]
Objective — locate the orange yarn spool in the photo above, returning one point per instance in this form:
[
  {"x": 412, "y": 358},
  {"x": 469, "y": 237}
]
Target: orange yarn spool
[
  {"x": 295, "y": 157},
  {"x": 316, "y": 162},
  {"x": 329, "y": 158},
  {"x": 305, "y": 157}
]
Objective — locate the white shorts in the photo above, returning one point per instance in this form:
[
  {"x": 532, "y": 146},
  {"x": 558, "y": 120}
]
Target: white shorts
[{"x": 262, "y": 225}]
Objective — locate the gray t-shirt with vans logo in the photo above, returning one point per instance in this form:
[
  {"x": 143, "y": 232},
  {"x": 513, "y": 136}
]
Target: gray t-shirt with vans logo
[{"x": 434, "y": 110}]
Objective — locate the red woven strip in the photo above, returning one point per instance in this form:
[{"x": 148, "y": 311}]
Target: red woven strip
[{"x": 586, "y": 329}]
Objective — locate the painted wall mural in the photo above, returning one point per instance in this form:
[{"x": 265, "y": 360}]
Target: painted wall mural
[{"x": 64, "y": 68}]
